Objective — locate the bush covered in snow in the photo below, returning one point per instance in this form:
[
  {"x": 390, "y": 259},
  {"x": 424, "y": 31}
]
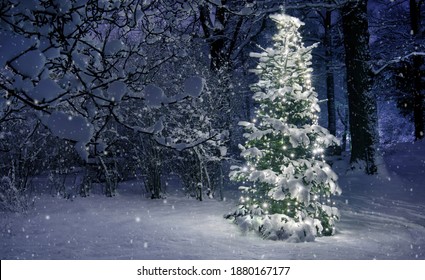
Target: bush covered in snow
[{"x": 11, "y": 197}]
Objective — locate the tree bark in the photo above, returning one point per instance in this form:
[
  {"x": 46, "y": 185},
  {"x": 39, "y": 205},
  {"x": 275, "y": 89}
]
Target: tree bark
[
  {"x": 214, "y": 31},
  {"x": 361, "y": 102},
  {"x": 330, "y": 85}
]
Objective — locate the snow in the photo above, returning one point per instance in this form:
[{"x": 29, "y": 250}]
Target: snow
[
  {"x": 246, "y": 11},
  {"x": 11, "y": 45},
  {"x": 113, "y": 47},
  {"x": 75, "y": 128},
  {"x": 216, "y": 2},
  {"x": 194, "y": 86},
  {"x": 25, "y": 85},
  {"x": 30, "y": 64},
  {"x": 80, "y": 148},
  {"x": 223, "y": 151},
  {"x": 157, "y": 127},
  {"x": 52, "y": 53},
  {"x": 46, "y": 90},
  {"x": 154, "y": 96},
  {"x": 117, "y": 90},
  {"x": 252, "y": 152},
  {"x": 382, "y": 217},
  {"x": 79, "y": 60}
]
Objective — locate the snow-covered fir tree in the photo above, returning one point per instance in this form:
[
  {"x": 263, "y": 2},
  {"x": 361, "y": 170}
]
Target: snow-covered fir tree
[{"x": 287, "y": 185}]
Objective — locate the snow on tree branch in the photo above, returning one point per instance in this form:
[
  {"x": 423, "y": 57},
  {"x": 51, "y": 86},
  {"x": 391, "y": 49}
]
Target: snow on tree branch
[{"x": 396, "y": 60}]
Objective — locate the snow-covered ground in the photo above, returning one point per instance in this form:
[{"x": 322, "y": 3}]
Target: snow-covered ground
[{"x": 383, "y": 217}]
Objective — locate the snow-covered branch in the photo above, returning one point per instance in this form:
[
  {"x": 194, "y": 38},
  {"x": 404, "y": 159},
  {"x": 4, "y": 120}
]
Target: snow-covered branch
[{"x": 396, "y": 60}]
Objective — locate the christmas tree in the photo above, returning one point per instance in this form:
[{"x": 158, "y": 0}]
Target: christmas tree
[{"x": 287, "y": 185}]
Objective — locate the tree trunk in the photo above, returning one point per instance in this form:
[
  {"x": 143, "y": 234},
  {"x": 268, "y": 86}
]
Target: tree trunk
[
  {"x": 361, "y": 102},
  {"x": 418, "y": 99},
  {"x": 214, "y": 31},
  {"x": 218, "y": 48},
  {"x": 330, "y": 85}
]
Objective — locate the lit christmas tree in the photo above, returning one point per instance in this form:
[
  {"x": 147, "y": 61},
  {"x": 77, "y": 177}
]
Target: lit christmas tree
[{"x": 287, "y": 183}]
